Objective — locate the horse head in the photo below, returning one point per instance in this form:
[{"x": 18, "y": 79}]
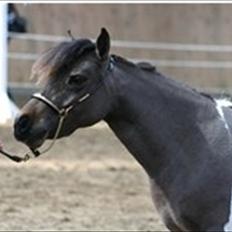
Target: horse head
[{"x": 74, "y": 91}]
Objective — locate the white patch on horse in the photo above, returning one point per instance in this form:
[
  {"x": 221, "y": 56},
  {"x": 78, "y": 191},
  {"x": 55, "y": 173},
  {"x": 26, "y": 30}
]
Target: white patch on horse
[
  {"x": 220, "y": 103},
  {"x": 228, "y": 225}
]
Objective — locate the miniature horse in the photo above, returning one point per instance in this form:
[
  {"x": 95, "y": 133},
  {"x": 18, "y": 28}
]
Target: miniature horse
[{"x": 182, "y": 138}]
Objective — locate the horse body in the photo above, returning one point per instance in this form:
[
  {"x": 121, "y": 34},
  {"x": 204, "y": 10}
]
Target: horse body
[
  {"x": 173, "y": 132},
  {"x": 180, "y": 137}
]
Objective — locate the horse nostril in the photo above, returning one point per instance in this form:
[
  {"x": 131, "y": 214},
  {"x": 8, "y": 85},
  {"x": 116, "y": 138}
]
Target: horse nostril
[{"x": 23, "y": 124}]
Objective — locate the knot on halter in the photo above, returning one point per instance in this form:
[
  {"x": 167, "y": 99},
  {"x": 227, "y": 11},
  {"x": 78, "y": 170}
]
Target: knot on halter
[{"x": 64, "y": 111}]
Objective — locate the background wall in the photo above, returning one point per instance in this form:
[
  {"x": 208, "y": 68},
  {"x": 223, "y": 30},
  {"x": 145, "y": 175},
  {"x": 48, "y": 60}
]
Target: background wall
[{"x": 175, "y": 23}]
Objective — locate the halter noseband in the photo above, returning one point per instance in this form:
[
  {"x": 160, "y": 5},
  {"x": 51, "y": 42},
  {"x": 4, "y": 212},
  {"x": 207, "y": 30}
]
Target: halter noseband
[{"x": 61, "y": 112}]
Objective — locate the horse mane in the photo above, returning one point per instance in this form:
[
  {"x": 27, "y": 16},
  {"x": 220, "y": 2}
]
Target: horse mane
[
  {"x": 122, "y": 60},
  {"x": 142, "y": 65},
  {"x": 146, "y": 66},
  {"x": 59, "y": 58}
]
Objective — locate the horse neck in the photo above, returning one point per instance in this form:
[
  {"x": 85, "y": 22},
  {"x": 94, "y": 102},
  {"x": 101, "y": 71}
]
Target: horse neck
[{"x": 152, "y": 115}]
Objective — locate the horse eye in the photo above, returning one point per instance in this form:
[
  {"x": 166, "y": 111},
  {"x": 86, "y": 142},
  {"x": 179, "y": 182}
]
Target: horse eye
[{"x": 77, "y": 80}]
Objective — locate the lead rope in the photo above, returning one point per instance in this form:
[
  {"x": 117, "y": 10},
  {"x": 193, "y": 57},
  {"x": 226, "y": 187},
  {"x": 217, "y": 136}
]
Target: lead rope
[{"x": 14, "y": 157}]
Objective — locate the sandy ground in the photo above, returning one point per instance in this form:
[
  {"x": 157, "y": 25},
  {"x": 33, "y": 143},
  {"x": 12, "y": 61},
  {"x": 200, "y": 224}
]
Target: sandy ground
[{"x": 88, "y": 181}]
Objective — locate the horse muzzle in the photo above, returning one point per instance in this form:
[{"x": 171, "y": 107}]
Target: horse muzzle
[{"x": 26, "y": 131}]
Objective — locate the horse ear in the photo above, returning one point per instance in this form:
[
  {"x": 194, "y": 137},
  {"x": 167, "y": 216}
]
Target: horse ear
[{"x": 103, "y": 44}]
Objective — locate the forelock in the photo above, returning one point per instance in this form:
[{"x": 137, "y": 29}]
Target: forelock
[{"x": 58, "y": 58}]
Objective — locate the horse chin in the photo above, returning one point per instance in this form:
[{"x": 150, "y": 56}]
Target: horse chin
[{"x": 35, "y": 144}]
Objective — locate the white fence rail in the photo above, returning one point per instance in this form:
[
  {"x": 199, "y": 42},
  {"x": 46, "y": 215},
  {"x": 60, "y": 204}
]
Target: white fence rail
[
  {"x": 211, "y": 48},
  {"x": 156, "y": 62},
  {"x": 133, "y": 44},
  {"x": 140, "y": 45}
]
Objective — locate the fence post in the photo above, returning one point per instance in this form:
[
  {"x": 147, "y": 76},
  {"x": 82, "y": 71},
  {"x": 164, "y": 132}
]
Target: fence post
[{"x": 8, "y": 109}]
